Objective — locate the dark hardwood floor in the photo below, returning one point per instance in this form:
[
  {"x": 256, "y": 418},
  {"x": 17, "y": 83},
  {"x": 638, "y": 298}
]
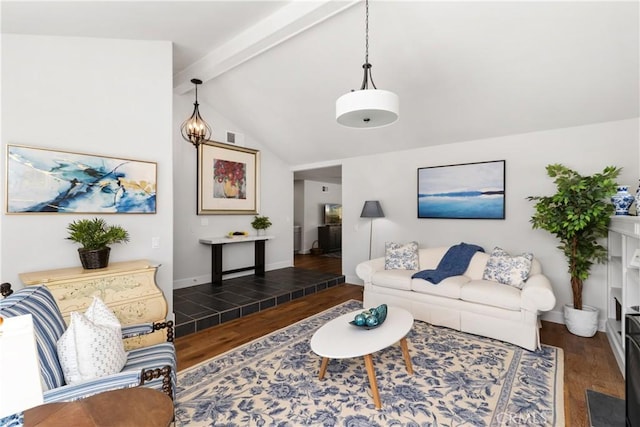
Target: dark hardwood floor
[
  {"x": 323, "y": 263},
  {"x": 588, "y": 362}
]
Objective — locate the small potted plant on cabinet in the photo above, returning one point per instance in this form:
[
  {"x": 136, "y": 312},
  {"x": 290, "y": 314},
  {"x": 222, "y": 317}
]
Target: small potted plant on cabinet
[
  {"x": 578, "y": 215},
  {"x": 95, "y": 236},
  {"x": 261, "y": 223}
]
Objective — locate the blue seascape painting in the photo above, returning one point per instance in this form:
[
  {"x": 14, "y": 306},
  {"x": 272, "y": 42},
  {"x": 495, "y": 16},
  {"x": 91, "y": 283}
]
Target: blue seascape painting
[
  {"x": 48, "y": 181},
  {"x": 465, "y": 191}
]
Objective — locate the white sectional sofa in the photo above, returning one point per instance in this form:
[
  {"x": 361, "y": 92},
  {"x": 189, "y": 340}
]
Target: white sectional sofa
[{"x": 465, "y": 302}]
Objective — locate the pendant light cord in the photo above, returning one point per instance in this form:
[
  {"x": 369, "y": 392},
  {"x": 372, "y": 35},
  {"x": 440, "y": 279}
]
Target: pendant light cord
[
  {"x": 367, "y": 67},
  {"x": 366, "y": 32},
  {"x": 372, "y": 109}
]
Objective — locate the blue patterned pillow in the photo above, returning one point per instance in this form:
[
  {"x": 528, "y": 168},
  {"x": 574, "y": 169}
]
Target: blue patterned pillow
[
  {"x": 506, "y": 269},
  {"x": 401, "y": 256}
]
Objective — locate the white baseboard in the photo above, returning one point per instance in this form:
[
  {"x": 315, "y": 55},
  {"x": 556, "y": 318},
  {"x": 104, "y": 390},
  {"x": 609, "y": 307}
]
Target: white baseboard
[
  {"x": 199, "y": 280},
  {"x": 191, "y": 281},
  {"x": 354, "y": 280},
  {"x": 553, "y": 316}
]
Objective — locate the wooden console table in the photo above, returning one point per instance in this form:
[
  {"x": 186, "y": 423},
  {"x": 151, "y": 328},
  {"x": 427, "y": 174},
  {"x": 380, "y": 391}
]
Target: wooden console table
[
  {"x": 128, "y": 288},
  {"x": 216, "y": 255}
]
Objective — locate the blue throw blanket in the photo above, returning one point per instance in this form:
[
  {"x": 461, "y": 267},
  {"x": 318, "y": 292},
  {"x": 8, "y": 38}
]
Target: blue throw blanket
[{"x": 453, "y": 263}]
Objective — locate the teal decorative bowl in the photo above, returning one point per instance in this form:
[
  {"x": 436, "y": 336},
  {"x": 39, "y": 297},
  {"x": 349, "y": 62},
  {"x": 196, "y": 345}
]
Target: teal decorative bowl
[{"x": 371, "y": 318}]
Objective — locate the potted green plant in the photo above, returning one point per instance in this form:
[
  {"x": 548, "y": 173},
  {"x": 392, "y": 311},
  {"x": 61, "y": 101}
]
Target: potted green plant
[
  {"x": 578, "y": 215},
  {"x": 261, "y": 223},
  {"x": 95, "y": 236}
]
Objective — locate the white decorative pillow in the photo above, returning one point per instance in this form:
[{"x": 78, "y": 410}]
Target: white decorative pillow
[
  {"x": 92, "y": 346},
  {"x": 401, "y": 256},
  {"x": 506, "y": 269}
]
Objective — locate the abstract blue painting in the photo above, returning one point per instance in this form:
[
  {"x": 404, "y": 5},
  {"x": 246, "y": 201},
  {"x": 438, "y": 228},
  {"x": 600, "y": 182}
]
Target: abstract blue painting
[
  {"x": 48, "y": 181},
  {"x": 464, "y": 191}
]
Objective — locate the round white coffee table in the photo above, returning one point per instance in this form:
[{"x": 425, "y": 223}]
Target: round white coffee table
[{"x": 340, "y": 340}]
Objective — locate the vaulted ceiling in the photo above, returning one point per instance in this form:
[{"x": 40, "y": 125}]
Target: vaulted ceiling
[{"x": 464, "y": 71}]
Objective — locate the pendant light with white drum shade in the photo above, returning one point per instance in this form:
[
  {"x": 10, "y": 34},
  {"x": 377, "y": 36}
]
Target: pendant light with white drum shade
[{"x": 367, "y": 108}]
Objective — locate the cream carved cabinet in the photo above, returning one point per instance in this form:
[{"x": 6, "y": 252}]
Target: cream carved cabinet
[
  {"x": 128, "y": 288},
  {"x": 623, "y": 280}
]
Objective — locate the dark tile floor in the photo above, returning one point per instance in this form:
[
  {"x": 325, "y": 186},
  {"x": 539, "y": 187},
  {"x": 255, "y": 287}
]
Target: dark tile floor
[{"x": 202, "y": 306}]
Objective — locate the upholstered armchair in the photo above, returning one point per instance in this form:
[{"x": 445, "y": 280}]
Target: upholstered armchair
[{"x": 153, "y": 366}]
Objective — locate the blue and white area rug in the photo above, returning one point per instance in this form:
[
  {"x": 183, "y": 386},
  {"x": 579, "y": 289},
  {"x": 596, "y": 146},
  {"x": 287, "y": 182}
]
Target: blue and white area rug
[{"x": 459, "y": 380}]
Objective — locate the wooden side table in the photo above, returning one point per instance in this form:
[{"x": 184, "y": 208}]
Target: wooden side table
[
  {"x": 135, "y": 407},
  {"x": 128, "y": 288}
]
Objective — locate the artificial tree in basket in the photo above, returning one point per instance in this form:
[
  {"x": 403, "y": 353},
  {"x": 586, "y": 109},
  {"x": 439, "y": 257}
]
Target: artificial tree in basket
[
  {"x": 95, "y": 236},
  {"x": 578, "y": 215}
]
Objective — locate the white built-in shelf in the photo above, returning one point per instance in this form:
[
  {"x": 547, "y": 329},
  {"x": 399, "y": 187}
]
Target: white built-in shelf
[
  {"x": 623, "y": 279},
  {"x": 616, "y": 293}
]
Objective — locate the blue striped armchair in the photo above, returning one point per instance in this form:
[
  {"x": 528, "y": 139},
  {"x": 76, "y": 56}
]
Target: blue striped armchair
[{"x": 153, "y": 366}]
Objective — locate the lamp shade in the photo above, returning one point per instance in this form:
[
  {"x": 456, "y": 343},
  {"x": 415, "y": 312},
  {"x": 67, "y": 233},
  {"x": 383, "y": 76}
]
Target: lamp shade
[
  {"x": 372, "y": 209},
  {"x": 20, "y": 387},
  {"x": 367, "y": 108}
]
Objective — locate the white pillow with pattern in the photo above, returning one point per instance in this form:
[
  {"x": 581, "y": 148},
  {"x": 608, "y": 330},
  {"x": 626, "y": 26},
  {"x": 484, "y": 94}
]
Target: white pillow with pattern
[
  {"x": 506, "y": 269},
  {"x": 401, "y": 256},
  {"x": 92, "y": 345}
]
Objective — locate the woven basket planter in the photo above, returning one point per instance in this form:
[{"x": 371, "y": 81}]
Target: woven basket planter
[{"x": 92, "y": 259}]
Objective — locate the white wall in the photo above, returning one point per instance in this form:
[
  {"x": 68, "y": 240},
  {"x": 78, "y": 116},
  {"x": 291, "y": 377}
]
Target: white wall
[
  {"x": 314, "y": 200},
  {"x": 193, "y": 260},
  {"x": 298, "y": 202},
  {"x": 587, "y": 149},
  {"x": 95, "y": 96}
]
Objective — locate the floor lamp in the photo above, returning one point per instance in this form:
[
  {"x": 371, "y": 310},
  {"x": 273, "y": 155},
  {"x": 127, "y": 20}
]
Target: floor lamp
[{"x": 371, "y": 209}]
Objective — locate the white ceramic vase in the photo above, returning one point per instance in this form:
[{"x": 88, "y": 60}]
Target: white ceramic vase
[{"x": 583, "y": 323}]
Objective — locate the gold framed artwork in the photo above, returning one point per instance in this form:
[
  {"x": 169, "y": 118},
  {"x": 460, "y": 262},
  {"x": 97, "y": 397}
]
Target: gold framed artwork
[
  {"x": 228, "y": 179},
  {"x": 42, "y": 180}
]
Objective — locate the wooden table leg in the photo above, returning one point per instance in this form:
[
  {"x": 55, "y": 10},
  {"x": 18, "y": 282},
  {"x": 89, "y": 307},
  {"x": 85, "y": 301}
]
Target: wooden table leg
[
  {"x": 407, "y": 356},
  {"x": 323, "y": 367},
  {"x": 368, "y": 362}
]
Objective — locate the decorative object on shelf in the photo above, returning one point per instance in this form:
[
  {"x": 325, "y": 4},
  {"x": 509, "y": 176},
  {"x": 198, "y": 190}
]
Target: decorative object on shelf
[
  {"x": 371, "y": 209},
  {"x": 195, "y": 129},
  {"x": 635, "y": 259},
  {"x": 95, "y": 236},
  {"x": 371, "y": 318},
  {"x": 261, "y": 223},
  {"x": 622, "y": 200},
  {"x": 367, "y": 108},
  {"x": 228, "y": 179},
  {"x": 237, "y": 234},
  {"x": 638, "y": 201},
  {"x": 51, "y": 181},
  {"x": 578, "y": 234},
  {"x": 463, "y": 191}
]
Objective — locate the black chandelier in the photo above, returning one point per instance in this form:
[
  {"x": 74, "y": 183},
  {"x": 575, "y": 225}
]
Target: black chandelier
[{"x": 195, "y": 129}]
